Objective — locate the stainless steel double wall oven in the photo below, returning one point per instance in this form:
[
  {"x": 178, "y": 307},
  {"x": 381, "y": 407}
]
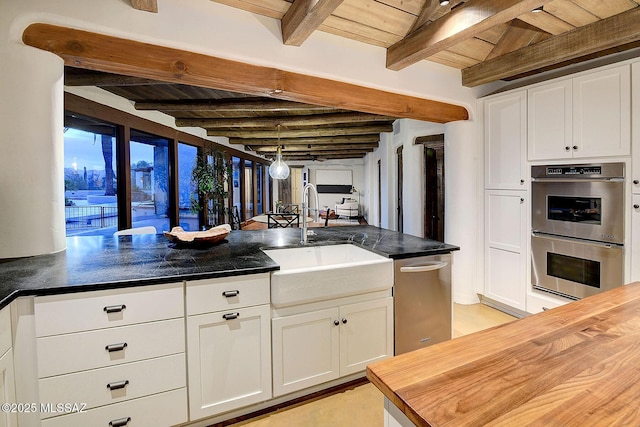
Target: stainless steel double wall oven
[{"x": 577, "y": 243}]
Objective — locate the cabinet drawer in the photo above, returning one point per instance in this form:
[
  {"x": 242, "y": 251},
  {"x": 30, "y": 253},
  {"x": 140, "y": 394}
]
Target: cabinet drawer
[
  {"x": 206, "y": 296},
  {"x": 160, "y": 410},
  {"x": 5, "y": 330},
  {"x": 114, "y": 384},
  {"x": 62, "y": 314},
  {"x": 63, "y": 354}
]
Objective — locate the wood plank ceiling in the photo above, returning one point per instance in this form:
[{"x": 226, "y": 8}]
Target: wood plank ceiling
[{"x": 487, "y": 39}]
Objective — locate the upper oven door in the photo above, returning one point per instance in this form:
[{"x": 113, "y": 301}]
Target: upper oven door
[{"x": 582, "y": 209}]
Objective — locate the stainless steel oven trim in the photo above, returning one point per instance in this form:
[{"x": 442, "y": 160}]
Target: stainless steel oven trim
[{"x": 575, "y": 240}]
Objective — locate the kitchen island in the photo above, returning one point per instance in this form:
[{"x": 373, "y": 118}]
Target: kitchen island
[{"x": 574, "y": 365}]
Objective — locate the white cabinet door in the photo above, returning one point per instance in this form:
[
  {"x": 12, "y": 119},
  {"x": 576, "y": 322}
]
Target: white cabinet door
[
  {"x": 635, "y": 125},
  {"x": 505, "y": 247},
  {"x": 229, "y": 360},
  {"x": 7, "y": 389},
  {"x": 635, "y": 239},
  {"x": 505, "y": 137},
  {"x": 549, "y": 125},
  {"x": 601, "y": 113},
  {"x": 305, "y": 350},
  {"x": 366, "y": 334}
]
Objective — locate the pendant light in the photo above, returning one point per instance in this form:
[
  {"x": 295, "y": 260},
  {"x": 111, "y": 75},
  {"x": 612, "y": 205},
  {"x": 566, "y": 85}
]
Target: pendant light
[{"x": 279, "y": 169}]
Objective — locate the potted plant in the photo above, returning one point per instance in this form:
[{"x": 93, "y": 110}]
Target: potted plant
[{"x": 210, "y": 180}]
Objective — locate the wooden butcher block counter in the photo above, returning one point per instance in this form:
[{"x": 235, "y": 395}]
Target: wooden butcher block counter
[{"x": 575, "y": 365}]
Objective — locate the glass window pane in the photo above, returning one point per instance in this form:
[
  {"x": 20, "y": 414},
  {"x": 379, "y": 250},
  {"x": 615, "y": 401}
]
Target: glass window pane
[
  {"x": 260, "y": 195},
  {"x": 90, "y": 179},
  {"x": 149, "y": 180},
  {"x": 235, "y": 164},
  {"x": 188, "y": 219},
  {"x": 248, "y": 188}
]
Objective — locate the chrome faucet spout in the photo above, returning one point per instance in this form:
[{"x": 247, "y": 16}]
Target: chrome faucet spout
[{"x": 305, "y": 211}]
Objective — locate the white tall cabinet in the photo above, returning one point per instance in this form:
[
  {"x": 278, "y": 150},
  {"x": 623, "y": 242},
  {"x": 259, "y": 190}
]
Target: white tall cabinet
[
  {"x": 506, "y": 198},
  {"x": 7, "y": 381},
  {"x": 635, "y": 172}
]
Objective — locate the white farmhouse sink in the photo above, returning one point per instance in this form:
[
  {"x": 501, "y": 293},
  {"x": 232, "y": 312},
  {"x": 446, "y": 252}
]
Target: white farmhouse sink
[{"x": 315, "y": 273}]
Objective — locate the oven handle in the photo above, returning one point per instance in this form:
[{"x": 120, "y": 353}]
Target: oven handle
[
  {"x": 590, "y": 179},
  {"x": 606, "y": 245}
]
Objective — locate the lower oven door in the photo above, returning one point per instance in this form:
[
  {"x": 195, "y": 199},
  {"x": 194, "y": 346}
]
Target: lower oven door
[{"x": 575, "y": 268}]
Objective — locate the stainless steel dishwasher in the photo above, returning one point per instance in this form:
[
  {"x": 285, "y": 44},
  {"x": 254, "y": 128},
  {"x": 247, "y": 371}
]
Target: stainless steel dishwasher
[{"x": 422, "y": 302}]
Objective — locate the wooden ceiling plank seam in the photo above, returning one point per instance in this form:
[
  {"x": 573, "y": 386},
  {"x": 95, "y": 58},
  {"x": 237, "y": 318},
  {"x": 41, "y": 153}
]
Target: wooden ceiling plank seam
[
  {"x": 298, "y": 147},
  {"x": 84, "y": 49},
  {"x": 473, "y": 48},
  {"x": 614, "y": 32},
  {"x": 275, "y": 9},
  {"x": 410, "y": 6},
  {"x": 145, "y": 5},
  {"x": 346, "y": 28},
  {"x": 309, "y": 120},
  {"x": 453, "y": 59},
  {"x": 493, "y": 34},
  {"x": 570, "y": 12},
  {"x": 518, "y": 35},
  {"x": 303, "y": 18},
  {"x": 251, "y": 104},
  {"x": 469, "y": 20},
  {"x": 606, "y": 8},
  {"x": 376, "y": 15},
  {"x": 546, "y": 22}
]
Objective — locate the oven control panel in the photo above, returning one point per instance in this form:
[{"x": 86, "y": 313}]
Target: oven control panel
[
  {"x": 588, "y": 171},
  {"x": 574, "y": 170}
]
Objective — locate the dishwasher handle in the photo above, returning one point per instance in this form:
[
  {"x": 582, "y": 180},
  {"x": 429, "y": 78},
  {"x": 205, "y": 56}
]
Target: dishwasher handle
[{"x": 424, "y": 266}]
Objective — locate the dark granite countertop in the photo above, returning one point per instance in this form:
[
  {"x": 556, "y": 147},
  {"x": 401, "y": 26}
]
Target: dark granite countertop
[{"x": 106, "y": 262}]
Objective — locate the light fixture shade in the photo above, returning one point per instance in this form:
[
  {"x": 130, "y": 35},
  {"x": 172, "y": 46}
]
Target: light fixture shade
[
  {"x": 444, "y": 2},
  {"x": 279, "y": 169}
]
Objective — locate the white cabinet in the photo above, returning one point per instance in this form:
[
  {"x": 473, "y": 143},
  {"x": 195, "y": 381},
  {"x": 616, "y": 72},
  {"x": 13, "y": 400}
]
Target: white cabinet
[
  {"x": 7, "y": 381},
  {"x": 586, "y": 116},
  {"x": 635, "y": 239},
  {"x": 506, "y": 244},
  {"x": 315, "y": 347},
  {"x": 635, "y": 125},
  {"x": 122, "y": 352},
  {"x": 601, "y": 113},
  {"x": 549, "y": 124},
  {"x": 228, "y": 343},
  {"x": 505, "y": 138}
]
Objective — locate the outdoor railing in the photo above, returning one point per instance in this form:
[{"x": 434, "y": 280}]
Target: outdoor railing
[{"x": 91, "y": 216}]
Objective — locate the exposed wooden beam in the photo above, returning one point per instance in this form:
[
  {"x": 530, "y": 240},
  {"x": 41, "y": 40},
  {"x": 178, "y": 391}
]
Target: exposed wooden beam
[
  {"x": 462, "y": 23},
  {"x": 291, "y": 133},
  {"x": 313, "y": 147},
  {"x": 339, "y": 139},
  {"x": 146, "y": 5},
  {"x": 321, "y": 157},
  {"x": 304, "y": 17},
  {"x": 231, "y": 105},
  {"x": 308, "y": 120},
  {"x": 84, "y": 49},
  {"x": 106, "y": 80},
  {"x": 621, "y": 29}
]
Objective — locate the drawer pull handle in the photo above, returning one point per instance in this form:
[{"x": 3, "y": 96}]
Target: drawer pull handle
[
  {"x": 116, "y": 347},
  {"x": 230, "y": 316},
  {"x": 120, "y": 422},
  {"x": 114, "y": 308},
  {"x": 231, "y": 294},
  {"x": 118, "y": 385}
]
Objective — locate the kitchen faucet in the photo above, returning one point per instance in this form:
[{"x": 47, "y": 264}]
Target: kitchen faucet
[{"x": 305, "y": 212}]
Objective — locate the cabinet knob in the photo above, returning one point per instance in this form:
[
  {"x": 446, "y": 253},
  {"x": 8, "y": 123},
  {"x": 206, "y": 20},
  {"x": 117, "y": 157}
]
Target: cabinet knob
[
  {"x": 336, "y": 322},
  {"x": 120, "y": 422},
  {"x": 636, "y": 206},
  {"x": 521, "y": 199},
  {"x": 567, "y": 148},
  {"x": 636, "y": 182},
  {"x": 522, "y": 181},
  {"x": 344, "y": 321},
  {"x": 575, "y": 147}
]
